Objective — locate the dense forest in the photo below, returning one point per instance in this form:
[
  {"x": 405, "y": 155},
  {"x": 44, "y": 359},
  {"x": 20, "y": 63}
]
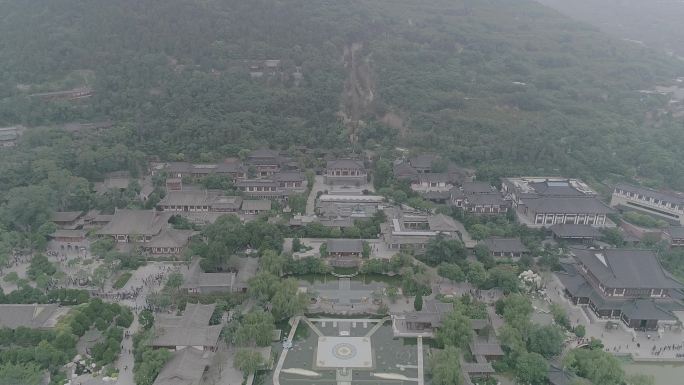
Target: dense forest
[{"x": 506, "y": 87}]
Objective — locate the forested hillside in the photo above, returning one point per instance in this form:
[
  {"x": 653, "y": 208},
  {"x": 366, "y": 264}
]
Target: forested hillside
[{"x": 506, "y": 87}]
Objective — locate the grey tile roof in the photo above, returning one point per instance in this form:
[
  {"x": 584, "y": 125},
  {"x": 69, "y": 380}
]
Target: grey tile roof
[
  {"x": 256, "y": 182},
  {"x": 477, "y": 188},
  {"x": 185, "y": 367},
  {"x": 258, "y": 205},
  {"x": 68, "y": 234},
  {"x": 677, "y": 198},
  {"x": 575, "y": 231},
  {"x": 32, "y": 316},
  {"x": 345, "y": 163},
  {"x": 441, "y": 222},
  {"x": 505, "y": 245},
  {"x": 647, "y": 309},
  {"x": 187, "y": 198},
  {"x": 170, "y": 238},
  {"x": 66, "y": 216},
  {"x": 344, "y": 245},
  {"x": 136, "y": 222},
  {"x": 559, "y": 376},
  {"x": 563, "y": 205},
  {"x": 435, "y": 177},
  {"x": 289, "y": 176},
  {"x": 485, "y": 347},
  {"x": 626, "y": 268},
  {"x": 190, "y": 329},
  {"x": 423, "y": 161},
  {"x": 494, "y": 199}
]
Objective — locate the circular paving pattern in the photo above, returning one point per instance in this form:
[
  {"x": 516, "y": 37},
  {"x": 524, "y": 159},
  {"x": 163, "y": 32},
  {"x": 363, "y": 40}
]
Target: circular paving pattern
[{"x": 344, "y": 351}]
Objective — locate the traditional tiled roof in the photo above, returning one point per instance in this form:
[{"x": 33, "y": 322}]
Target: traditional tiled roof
[
  {"x": 59, "y": 233},
  {"x": 441, "y": 222},
  {"x": 571, "y": 230},
  {"x": 32, "y": 316},
  {"x": 136, "y": 222},
  {"x": 190, "y": 329},
  {"x": 345, "y": 163},
  {"x": 289, "y": 176},
  {"x": 186, "y": 367},
  {"x": 677, "y": 198},
  {"x": 626, "y": 268},
  {"x": 66, "y": 216},
  {"x": 646, "y": 309},
  {"x": 344, "y": 245},
  {"x": 423, "y": 161},
  {"x": 170, "y": 238},
  {"x": 256, "y": 205},
  {"x": 477, "y": 188},
  {"x": 494, "y": 199},
  {"x": 565, "y": 205},
  {"x": 505, "y": 245}
]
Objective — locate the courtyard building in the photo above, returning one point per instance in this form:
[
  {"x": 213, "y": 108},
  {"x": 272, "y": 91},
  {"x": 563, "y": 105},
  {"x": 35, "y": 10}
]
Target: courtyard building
[
  {"x": 479, "y": 198},
  {"x": 506, "y": 247},
  {"x": 668, "y": 206},
  {"x": 622, "y": 284},
  {"x": 543, "y": 202},
  {"x": 575, "y": 233},
  {"x": 405, "y": 230},
  {"x": 188, "y": 331},
  {"x": 347, "y": 172},
  {"x": 344, "y": 252}
]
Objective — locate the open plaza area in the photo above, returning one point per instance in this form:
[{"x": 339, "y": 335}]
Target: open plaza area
[{"x": 344, "y": 351}]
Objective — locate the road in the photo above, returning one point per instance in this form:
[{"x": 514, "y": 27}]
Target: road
[{"x": 319, "y": 185}]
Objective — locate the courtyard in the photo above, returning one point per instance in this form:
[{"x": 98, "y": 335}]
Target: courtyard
[{"x": 346, "y": 351}]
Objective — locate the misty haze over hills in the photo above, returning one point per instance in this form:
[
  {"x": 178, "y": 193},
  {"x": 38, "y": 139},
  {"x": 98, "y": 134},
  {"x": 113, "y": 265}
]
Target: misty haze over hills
[{"x": 655, "y": 23}]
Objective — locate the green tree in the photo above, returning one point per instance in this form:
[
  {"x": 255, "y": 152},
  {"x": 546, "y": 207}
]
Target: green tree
[
  {"x": 272, "y": 262},
  {"x": 288, "y": 301},
  {"x": 451, "y": 271},
  {"x": 392, "y": 293},
  {"x": 597, "y": 366},
  {"x": 516, "y": 310},
  {"x": 146, "y": 319},
  {"x": 531, "y": 369},
  {"x": 256, "y": 328},
  {"x": 174, "y": 281},
  {"x": 248, "y": 361},
  {"x": 25, "y": 374},
  {"x": 456, "y": 330},
  {"x": 297, "y": 203},
  {"x": 442, "y": 249},
  {"x": 546, "y": 340},
  {"x": 445, "y": 366},
  {"x": 418, "y": 301},
  {"x": 382, "y": 174},
  {"x": 476, "y": 273},
  {"x": 146, "y": 370}
]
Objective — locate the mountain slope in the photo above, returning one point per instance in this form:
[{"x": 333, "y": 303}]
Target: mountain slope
[{"x": 508, "y": 87}]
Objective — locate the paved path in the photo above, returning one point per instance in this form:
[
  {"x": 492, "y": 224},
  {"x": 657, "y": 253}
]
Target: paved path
[
  {"x": 281, "y": 359},
  {"x": 126, "y": 359},
  {"x": 377, "y": 326},
  {"x": 421, "y": 374},
  {"x": 313, "y": 327},
  {"x": 319, "y": 185}
]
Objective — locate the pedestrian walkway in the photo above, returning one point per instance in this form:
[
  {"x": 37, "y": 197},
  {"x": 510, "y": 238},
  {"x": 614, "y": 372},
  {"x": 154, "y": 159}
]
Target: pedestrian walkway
[
  {"x": 345, "y": 284},
  {"x": 126, "y": 358},
  {"x": 421, "y": 374},
  {"x": 281, "y": 359}
]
